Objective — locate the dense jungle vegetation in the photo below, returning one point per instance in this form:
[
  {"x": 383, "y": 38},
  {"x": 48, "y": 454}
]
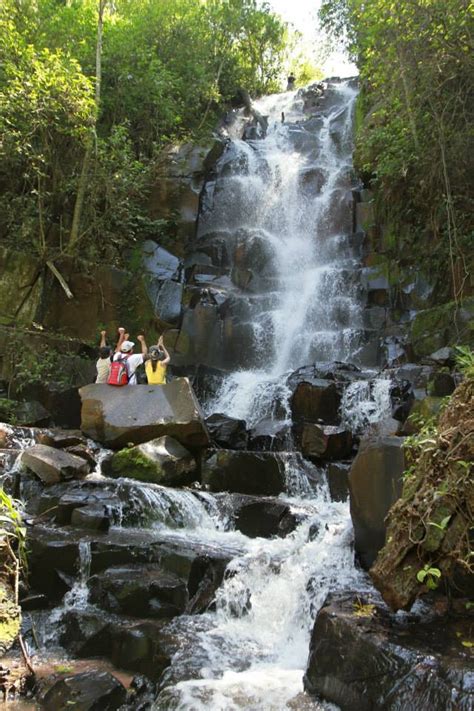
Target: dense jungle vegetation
[
  {"x": 415, "y": 125},
  {"x": 91, "y": 91}
]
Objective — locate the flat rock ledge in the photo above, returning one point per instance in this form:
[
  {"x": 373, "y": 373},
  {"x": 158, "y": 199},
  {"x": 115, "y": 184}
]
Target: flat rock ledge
[
  {"x": 364, "y": 657},
  {"x": 122, "y": 416}
]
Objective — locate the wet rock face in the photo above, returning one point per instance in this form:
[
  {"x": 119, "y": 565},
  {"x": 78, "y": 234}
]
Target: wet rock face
[
  {"x": 227, "y": 431},
  {"x": 90, "y": 691},
  {"x": 317, "y": 401},
  {"x": 324, "y": 442},
  {"x": 264, "y": 519},
  {"x": 160, "y": 461},
  {"x": 118, "y": 416},
  {"x": 362, "y": 657},
  {"x": 261, "y": 473},
  {"x": 140, "y": 591},
  {"x": 53, "y": 465},
  {"x": 375, "y": 483}
]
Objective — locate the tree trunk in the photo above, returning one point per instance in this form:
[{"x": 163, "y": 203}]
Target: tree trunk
[{"x": 82, "y": 186}]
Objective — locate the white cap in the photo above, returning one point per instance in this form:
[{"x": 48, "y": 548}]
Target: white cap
[{"x": 127, "y": 346}]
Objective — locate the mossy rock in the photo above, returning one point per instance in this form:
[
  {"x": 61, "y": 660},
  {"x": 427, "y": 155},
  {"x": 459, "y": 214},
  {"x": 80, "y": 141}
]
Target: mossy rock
[
  {"x": 160, "y": 461},
  {"x": 10, "y": 617},
  {"x": 444, "y": 325},
  {"x": 19, "y": 276}
]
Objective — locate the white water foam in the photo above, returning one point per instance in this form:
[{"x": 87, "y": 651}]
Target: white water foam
[
  {"x": 366, "y": 402},
  {"x": 291, "y": 202},
  {"x": 254, "y": 654}
]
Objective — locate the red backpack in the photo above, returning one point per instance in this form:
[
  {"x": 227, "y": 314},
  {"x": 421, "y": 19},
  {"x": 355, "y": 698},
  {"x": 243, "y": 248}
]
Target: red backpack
[{"x": 118, "y": 374}]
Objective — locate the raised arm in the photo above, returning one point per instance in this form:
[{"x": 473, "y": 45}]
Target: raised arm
[
  {"x": 167, "y": 357},
  {"x": 121, "y": 339},
  {"x": 103, "y": 342},
  {"x": 143, "y": 344}
]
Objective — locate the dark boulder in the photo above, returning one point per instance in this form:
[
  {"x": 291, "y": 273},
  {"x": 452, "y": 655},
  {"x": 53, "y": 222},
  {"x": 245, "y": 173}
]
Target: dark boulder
[
  {"x": 316, "y": 401},
  {"x": 227, "y": 432},
  {"x": 264, "y": 518},
  {"x": 89, "y": 691},
  {"x": 362, "y": 657},
  {"x": 205, "y": 577},
  {"x": 261, "y": 473},
  {"x": 375, "y": 483},
  {"x": 324, "y": 442},
  {"x": 139, "y": 591},
  {"x": 338, "y": 480},
  {"x": 270, "y": 435},
  {"x": 442, "y": 384},
  {"x": 53, "y": 562},
  {"x": 135, "y": 414}
]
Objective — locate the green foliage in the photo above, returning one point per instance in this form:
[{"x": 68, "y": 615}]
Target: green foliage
[
  {"x": 417, "y": 67},
  {"x": 12, "y": 531},
  {"x": 167, "y": 68},
  {"x": 465, "y": 360},
  {"x": 429, "y": 576}
]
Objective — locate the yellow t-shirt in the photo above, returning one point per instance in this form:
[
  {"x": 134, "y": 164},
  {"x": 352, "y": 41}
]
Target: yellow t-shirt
[{"x": 158, "y": 377}]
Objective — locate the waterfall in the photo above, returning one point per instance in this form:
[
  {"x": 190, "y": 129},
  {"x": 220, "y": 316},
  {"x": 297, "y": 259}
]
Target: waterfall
[
  {"x": 283, "y": 199},
  {"x": 281, "y": 202}
]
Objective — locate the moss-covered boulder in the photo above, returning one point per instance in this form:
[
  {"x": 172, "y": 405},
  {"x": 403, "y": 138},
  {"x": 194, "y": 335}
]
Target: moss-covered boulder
[
  {"x": 428, "y": 542},
  {"x": 450, "y": 323},
  {"x": 10, "y": 617},
  {"x": 160, "y": 461}
]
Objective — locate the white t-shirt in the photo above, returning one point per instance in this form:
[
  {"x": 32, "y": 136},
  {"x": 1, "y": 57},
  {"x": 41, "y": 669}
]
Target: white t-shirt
[
  {"x": 132, "y": 361},
  {"x": 103, "y": 369}
]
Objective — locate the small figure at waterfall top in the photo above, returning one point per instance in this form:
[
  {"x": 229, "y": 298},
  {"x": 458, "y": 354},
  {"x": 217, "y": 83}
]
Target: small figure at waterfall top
[
  {"x": 157, "y": 360},
  {"x": 291, "y": 82}
]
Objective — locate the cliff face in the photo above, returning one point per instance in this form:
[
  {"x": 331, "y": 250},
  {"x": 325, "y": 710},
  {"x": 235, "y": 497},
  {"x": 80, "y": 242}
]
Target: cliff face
[{"x": 415, "y": 313}]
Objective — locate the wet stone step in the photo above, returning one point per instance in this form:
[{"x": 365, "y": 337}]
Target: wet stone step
[
  {"x": 363, "y": 657},
  {"x": 59, "y": 556},
  {"x": 261, "y": 473},
  {"x": 139, "y": 591},
  {"x": 144, "y": 646}
]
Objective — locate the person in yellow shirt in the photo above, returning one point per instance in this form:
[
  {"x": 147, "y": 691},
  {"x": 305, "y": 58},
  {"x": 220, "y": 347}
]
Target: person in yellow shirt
[{"x": 156, "y": 363}]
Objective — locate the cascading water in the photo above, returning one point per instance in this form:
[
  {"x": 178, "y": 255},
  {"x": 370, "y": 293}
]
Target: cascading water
[{"x": 286, "y": 199}]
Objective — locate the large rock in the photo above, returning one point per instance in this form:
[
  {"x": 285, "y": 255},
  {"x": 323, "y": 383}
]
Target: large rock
[
  {"x": 53, "y": 465},
  {"x": 160, "y": 461},
  {"x": 89, "y": 691},
  {"x": 324, "y": 442},
  {"x": 261, "y": 473},
  {"x": 270, "y": 435},
  {"x": 317, "y": 400},
  {"x": 139, "y": 591},
  {"x": 138, "y": 413},
  {"x": 362, "y": 658},
  {"x": 264, "y": 518},
  {"x": 227, "y": 432},
  {"x": 375, "y": 483}
]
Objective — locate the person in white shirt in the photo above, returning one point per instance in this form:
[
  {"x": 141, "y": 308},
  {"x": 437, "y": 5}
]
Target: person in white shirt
[{"x": 125, "y": 352}]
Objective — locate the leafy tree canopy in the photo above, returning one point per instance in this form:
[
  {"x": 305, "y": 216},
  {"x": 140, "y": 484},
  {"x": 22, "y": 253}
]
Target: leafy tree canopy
[{"x": 414, "y": 144}]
